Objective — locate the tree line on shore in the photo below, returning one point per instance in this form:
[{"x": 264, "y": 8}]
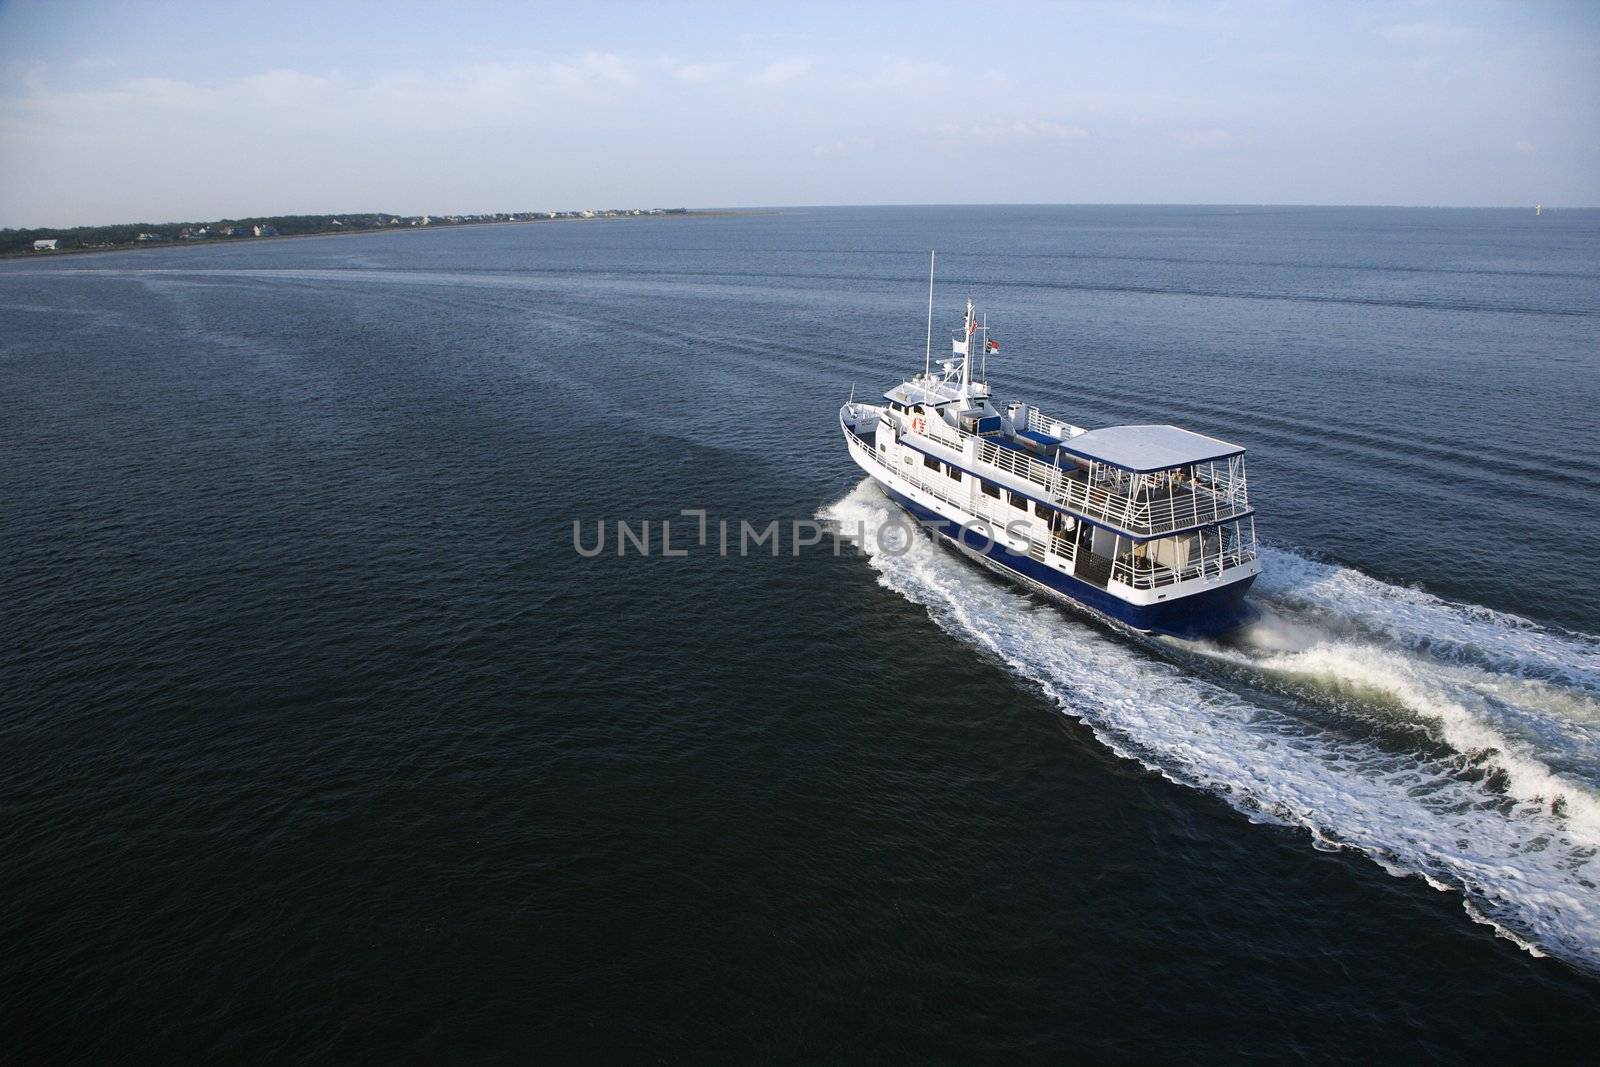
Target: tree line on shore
[{"x": 137, "y": 233}]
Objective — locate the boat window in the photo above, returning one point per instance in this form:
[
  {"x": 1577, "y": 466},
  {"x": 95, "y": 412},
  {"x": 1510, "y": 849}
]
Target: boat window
[
  {"x": 990, "y": 490},
  {"x": 953, "y": 472},
  {"x": 1018, "y": 501},
  {"x": 931, "y": 463},
  {"x": 1040, "y": 510}
]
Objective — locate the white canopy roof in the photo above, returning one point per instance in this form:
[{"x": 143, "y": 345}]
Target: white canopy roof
[
  {"x": 1148, "y": 448},
  {"x": 916, "y": 393}
]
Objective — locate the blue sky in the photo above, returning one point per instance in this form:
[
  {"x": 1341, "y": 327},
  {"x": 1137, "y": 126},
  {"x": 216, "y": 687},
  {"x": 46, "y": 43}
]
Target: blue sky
[{"x": 156, "y": 111}]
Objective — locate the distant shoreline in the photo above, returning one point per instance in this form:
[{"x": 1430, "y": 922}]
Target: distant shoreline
[{"x": 142, "y": 246}]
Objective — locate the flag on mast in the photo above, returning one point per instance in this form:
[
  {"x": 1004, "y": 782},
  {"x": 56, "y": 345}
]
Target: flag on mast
[
  {"x": 958, "y": 347},
  {"x": 994, "y": 346}
]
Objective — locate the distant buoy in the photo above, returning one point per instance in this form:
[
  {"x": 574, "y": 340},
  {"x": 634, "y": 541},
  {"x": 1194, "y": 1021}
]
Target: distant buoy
[{"x": 1538, "y": 209}]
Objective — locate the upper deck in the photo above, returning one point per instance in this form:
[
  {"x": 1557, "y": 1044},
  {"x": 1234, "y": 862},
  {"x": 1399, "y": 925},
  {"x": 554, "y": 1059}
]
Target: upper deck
[{"x": 1144, "y": 481}]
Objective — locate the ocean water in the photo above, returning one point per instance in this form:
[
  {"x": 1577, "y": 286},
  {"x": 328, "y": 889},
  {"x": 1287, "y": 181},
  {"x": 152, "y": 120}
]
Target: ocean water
[{"x": 320, "y": 740}]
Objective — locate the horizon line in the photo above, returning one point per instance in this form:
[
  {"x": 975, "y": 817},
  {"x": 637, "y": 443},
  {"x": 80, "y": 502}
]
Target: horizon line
[{"x": 865, "y": 204}]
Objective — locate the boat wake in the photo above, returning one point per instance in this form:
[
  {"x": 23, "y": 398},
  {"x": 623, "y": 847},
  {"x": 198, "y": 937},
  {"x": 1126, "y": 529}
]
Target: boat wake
[{"x": 1454, "y": 743}]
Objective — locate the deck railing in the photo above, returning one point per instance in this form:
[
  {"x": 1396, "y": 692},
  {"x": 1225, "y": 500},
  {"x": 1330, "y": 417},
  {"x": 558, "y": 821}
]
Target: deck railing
[
  {"x": 1154, "y": 575},
  {"x": 1199, "y": 504},
  {"x": 1039, "y": 422},
  {"x": 912, "y": 473},
  {"x": 1146, "y": 515},
  {"x": 1065, "y": 547},
  {"x": 992, "y": 511},
  {"x": 938, "y": 430}
]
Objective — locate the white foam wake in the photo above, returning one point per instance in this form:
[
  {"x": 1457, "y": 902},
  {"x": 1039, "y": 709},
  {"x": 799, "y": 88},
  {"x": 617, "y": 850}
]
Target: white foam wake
[
  {"x": 1480, "y": 808},
  {"x": 1427, "y": 623},
  {"x": 1510, "y": 730}
]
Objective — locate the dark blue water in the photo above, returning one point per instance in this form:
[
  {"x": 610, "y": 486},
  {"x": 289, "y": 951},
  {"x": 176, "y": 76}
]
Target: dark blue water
[{"x": 320, "y": 741}]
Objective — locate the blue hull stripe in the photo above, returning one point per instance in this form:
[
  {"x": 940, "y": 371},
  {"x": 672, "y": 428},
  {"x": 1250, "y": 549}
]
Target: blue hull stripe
[{"x": 1204, "y": 614}]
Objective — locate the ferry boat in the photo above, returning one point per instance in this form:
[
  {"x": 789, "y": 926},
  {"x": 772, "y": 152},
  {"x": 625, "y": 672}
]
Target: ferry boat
[{"x": 1150, "y": 525}]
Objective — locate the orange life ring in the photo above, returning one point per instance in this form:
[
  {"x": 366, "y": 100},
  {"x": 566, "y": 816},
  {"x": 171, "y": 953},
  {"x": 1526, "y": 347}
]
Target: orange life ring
[{"x": 919, "y": 425}]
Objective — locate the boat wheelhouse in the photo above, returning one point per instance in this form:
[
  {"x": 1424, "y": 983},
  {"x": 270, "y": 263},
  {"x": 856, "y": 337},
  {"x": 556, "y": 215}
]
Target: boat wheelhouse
[{"x": 1150, "y": 525}]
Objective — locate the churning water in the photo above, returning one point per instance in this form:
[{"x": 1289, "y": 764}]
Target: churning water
[{"x": 1326, "y": 716}]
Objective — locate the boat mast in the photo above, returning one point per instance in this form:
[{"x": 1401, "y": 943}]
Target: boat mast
[
  {"x": 966, "y": 352},
  {"x": 927, "y": 354}
]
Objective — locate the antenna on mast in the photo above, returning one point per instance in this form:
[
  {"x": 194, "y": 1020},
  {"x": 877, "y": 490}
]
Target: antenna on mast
[
  {"x": 927, "y": 355},
  {"x": 967, "y": 328}
]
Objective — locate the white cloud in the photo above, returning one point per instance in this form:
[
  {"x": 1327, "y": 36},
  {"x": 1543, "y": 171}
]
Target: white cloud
[
  {"x": 1054, "y": 131},
  {"x": 465, "y": 97},
  {"x": 602, "y": 66},
  {"x": 784, "y": 70},
  {"x": 699, "y": 73},
  {"x": 285, "y": 87}
]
